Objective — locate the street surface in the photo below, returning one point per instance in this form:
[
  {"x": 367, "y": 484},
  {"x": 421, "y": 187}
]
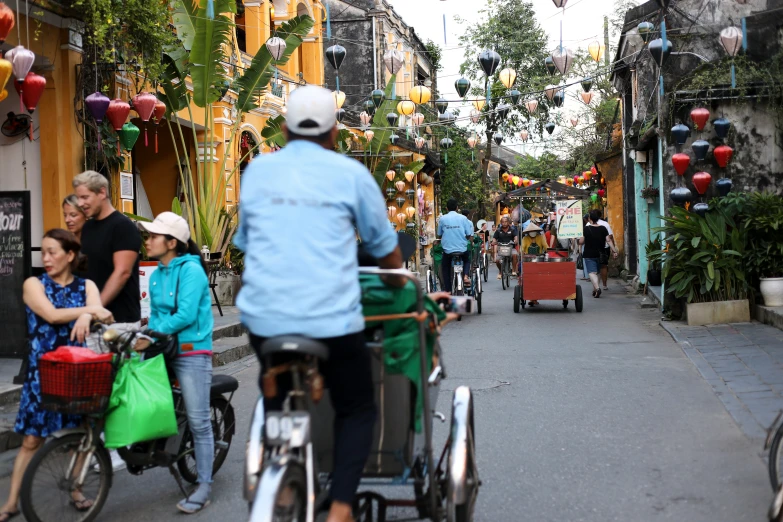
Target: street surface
[{"x": 597, "y": 417}]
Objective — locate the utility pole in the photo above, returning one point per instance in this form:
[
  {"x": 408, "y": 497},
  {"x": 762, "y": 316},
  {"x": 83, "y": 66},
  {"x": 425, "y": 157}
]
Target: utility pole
[{"x": 606, "y": 41}]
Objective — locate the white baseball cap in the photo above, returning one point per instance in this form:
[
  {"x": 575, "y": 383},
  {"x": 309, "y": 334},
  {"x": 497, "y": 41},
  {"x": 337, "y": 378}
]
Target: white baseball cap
[
  {"x": 168, "y": 224},
  {"x": 311, "y": 111}
]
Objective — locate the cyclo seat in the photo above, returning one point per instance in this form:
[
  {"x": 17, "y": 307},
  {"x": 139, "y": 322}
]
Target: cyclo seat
[
  {"x": 295, "y": 344},
  {"x": 223, "y": 384}
]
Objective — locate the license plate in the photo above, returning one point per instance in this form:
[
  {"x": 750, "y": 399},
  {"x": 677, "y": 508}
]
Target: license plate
[{"x": 292, "y": 428}]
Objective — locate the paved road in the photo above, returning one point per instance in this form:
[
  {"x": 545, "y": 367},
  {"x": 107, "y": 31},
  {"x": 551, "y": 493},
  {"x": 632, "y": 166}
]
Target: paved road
[{"x": 580, "y": 417}]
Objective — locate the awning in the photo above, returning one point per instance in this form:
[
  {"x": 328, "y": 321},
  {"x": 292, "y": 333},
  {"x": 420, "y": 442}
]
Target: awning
[{"x": 555, "y": 190}]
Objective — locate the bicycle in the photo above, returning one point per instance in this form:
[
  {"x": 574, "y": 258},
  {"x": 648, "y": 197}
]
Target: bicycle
[
  {"x": 432, "y": 281},
  {"x": 476, "y": 288},
  {"x": 505, "y": 251},
  {"x": 775, "y": 467},
  {"x": 75, "y": 459},
  {"x": 457, "y": 270}
]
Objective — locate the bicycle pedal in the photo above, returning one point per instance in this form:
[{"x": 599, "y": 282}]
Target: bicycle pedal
[{"x": 221, "y": 444}]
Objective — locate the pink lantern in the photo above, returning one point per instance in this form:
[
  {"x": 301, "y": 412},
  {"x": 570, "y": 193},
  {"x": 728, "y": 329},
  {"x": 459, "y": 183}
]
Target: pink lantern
[
  {"x": 365, "y": 118},
  {"x": 550, "y": 91},
  {"x": 475, "y": 115},
  {"x": 369, "y": 135},
  {"x": 392, "y": 211},
  {"x": 400, "y": 185},
  {"x": 472, "y": 142},
  {"x": 574, "y": 121},
  {"x": 22, "y": 60},
  {"x": 417, "y": 118},
  {"x": 587, "y": 97},
  {"x": 401, "y": 218},
  {"x": 419, "y": 141},
  {"x": 144, "y": 105},
  {"x": 524, "y": 134},
  {"x": 531, "y": 105}
]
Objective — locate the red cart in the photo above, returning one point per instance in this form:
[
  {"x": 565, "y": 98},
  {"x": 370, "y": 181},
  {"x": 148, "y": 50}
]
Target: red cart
[{"x": 547, "y": 278}]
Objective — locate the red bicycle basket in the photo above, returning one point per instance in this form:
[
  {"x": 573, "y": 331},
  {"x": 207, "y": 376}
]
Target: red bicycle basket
[{"x": 75, "y": 380}]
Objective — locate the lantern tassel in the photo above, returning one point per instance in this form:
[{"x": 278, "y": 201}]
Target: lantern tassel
[
  {"x": 211, "y": 9},
  {"x": 31, "y": 129},
  {"x": 100, "y": 141},
  {"x": 146, "y": 141},
  {"x": 733, "y": 76},
  {"x": 21, "y": 102},
  {"x": 156, "y": 140}
]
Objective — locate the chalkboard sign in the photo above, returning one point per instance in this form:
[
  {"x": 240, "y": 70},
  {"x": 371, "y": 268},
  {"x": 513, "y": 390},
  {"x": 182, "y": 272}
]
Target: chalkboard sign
[{"x": 15, "y": 266}]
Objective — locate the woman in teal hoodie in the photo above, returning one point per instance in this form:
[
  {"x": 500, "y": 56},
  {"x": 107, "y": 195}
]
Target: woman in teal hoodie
[{"x": 180, "y": 304}]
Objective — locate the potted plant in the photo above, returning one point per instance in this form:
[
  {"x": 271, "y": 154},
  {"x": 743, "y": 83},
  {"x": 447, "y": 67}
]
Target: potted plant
[
  {"x": 763, "y": 226},
  {"x": 228, "y": 276},
  {"x": 654, "y": 257},
  {"x": 704, "y": 264},
  {"x": 650, "y": 194}
]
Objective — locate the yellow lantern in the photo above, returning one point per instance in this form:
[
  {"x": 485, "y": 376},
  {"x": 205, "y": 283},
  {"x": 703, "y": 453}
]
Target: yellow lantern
[
  {"x": 420, "y": 94},
  {"x": 478, "y": 103},
  {"x": 569, "y": 182},
  {"x": 596, "y": 50},
  {"x": 581, "y": 179},
  {"x": 339, "y": 98},
  {"x": 409, "y": 175},
  {"x": 390, "y": 175},
  {"x": 5, "y": 72},
  {"x": 507, "y": 77},
  {"x": 587, "y": 175},
  {"x": 505, "y": 177},
  {"x": 526, "y": 182},
  {"x": 3, "y": 94},
  {"x": 411, "y": 211},
  {"x": 406, "y": 107},
  {"x": 515, "y": 180}
]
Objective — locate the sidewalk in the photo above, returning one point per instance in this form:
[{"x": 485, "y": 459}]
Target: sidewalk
[{"x": 743, "y": 363}]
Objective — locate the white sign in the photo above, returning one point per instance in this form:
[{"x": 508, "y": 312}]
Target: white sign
[
  {"x": 146, "y": 268},
  {"x": 569, "y": 218}
]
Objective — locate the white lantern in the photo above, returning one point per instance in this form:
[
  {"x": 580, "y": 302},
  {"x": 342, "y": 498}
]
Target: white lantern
[
  {"x": 365, "y": 118},
  {"x": 339, "y": 98},
  {"x": 524, "y": 134},
  {"x": 276, "y": 47},
  {"x": 560, "y": 4},
  {"x": 731, "y": 40},
  {"x": 417, "y": 118},
  {"x": 507, "y": 77},
  {"x": 393, "y": 59},
  {"x": 475, "y": 115},
  {"x": 419, "y": 141},
  {"x": 369, "y": 135},
  {"x": 564, "y": 59}
]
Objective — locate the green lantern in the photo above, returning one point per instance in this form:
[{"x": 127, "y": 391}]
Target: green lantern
[
  {"x": 377, "y": 96},
  {"x": 128, "y": 135},
  {"x": 515, "y": 95},
  {"x": 594, "y": 197},
  {"x": 462, "y": 85}
]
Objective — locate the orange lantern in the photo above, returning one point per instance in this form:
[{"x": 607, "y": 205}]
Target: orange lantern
[
  {"x": 409, "y": 175},
  {"x": 515, "y": 180},
  {"x": 581, "y": 179},
  {"x": 569, "y": 182},
  {"x": 390, "y": 175},
  {"x": 525, "y": 182},
  {"x": 587, "y": 175},
  {"x": 505, "y": 177},
  {"x": 411, "y": 211}
]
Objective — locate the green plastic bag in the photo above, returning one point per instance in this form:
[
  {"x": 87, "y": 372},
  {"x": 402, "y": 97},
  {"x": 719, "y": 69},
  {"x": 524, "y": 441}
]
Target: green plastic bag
[{"x": 141, "y": 406}]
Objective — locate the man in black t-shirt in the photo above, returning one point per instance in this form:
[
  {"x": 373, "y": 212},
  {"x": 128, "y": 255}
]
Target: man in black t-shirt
[{"x": 111, "y": 243}]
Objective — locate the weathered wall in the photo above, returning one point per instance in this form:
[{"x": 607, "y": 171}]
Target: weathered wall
[{"x": 612, "y": 170}]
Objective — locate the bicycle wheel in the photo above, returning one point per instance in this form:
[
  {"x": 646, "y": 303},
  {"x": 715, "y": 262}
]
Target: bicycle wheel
[
  {"x": 774, "y": 463},
  {"x": 49, "y": 481},
  {"x": 463, "y": 480},
  {"x": 281, "y": 494},
  {"x": 429, "y": 281},
  {"x": 503, "y": 270},
  {"x": 485, "y": 269},
  {"x": 223, "y": 425}
]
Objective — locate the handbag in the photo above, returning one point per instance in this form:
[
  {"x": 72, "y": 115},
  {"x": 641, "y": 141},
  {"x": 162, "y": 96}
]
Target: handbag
[
  {"x": 169, "y": 347},
  {"x": 580, "y": 263}
]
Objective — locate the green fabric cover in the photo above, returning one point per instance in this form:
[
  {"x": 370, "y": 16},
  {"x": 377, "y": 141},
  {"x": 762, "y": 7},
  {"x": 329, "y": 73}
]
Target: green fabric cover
[
  {"x": 141, "y": 406},
  {"x": 401, "y": 337}
]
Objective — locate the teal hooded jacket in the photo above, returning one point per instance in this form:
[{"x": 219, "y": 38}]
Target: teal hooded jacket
[{"x": 193, "y": 320}]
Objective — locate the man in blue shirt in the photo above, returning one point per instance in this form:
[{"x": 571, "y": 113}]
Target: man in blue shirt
[
  {"x": 300, "y": 209},
  {"x": 454, "y": 229}
]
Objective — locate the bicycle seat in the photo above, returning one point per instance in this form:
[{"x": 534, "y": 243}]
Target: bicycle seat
[
  {"x": 295, "y": 344},
  {"x": 223, "y": 384}
]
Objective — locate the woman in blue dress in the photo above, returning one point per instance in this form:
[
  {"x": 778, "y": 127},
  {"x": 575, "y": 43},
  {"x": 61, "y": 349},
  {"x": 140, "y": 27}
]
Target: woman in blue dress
[{"x": 59, "y": 307}]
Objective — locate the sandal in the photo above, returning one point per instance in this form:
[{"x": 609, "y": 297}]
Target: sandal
[
  {"x": 185, "y": 506},
  {"x": 598, "y": 293},
  {"x": 8, "y": 515},
  {"x": 82, "y": 505}
]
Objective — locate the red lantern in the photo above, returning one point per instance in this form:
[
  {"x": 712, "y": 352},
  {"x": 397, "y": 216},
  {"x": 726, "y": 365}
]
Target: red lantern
[
  {"x": 117, "y": 113},
  {"x": 144, "y": 105},
  {"x": 681, "y": 161},
  {"x": 601, "y": 192},
  {"x": 700, "y": 115},
  {"x": 723, "y": 154},
  {"x": 6, "y": 22},
  {"x": 593, "y": 170},
  {"x": 576, "y": 180},
  {"x": 701, "y": 180},
  {"x": 34, "y": 85},
  {"x": 157, "y": 115}
]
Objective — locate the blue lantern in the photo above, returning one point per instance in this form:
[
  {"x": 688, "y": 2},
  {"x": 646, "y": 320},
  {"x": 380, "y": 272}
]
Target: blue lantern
[{"x": 680, "y": 133}]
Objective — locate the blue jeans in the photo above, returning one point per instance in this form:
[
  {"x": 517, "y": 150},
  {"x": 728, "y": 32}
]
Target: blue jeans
[{"x": 194, "y": 374}]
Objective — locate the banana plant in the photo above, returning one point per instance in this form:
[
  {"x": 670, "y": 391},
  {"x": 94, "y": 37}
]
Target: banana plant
[{"x": 198, "y": 57}]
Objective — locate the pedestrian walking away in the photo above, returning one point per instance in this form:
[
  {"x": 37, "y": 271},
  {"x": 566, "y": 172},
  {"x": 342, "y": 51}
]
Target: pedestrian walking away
[
  {"x": 594, "y": 239},
  {"x": 180, "y": 304},
  {"x": 604, "y": 259}
]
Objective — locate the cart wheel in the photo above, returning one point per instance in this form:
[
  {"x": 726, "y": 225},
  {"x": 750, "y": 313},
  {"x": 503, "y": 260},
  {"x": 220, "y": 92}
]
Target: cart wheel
[
  {"x": 565, "y": 303},
  {"x": 578, "y": 298},
  {"x": 478, "y": 302},
  {"x": 517, "y": 298},
  {"x": 461, "y": 470}
]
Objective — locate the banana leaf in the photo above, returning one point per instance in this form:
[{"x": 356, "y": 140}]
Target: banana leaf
[
  {"x": 184, "y": 15},
  {"x": 212, "y": 36}
]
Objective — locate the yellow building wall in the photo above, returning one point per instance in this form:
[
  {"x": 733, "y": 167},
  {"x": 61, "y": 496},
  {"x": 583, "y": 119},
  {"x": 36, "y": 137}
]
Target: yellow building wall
[{"x": 612, "y": 171}]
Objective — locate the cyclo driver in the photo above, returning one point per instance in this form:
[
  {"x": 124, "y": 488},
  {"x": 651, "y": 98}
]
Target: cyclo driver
[
  {"x": 308, "y": 284},
  {"x": 505, "y": 234},
  {"x": 454, "y": 229}
]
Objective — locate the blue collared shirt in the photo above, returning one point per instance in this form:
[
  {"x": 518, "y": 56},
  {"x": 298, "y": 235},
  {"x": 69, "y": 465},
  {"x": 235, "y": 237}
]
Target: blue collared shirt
[
  {"x": 453, "y": 229},
  {"x": 299, "y": 212}
]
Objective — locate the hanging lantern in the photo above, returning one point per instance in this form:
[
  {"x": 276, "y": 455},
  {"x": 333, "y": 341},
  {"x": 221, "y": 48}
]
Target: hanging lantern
[
  {"x": 6, "y": 22},
  {"x": 701, "y": 181},
  {"x": 157, "y": 114},
  {"x": 117, "y": 113},
  {"x": 335, "y": 54},
  {"x": 409, "y": 175},
  {"x": 721, "y": 126},
  {"x": 497, "y": 138},
  {"x": 462, "y": 85},
  {"x": 507, "y": 77},
  {"x": 700, "y": 149},
  {"x": 392, "y": 211},
  {"x": 472, "y": 141},
  {"x": 569, "y": 182},
  {"x": 401, "y": 218},
  {"x": 587, "y": 84},
  {"x": 559, "y": 98},
  {"x": 420, "y": 94},
  {"x": 531, "y": 106},
  {"x": 446, "y": 143},
  {"x": 549, "y": 63},
  {"x": 731, "y": 40},
  {"x": 390, "y": 193},
  {"x": 400, "y": 201},
  {"x": 593, "y": 197},
  {"x": 700, "y": 116},
  {"x": 97, "y": 104},
  {"x": 560, "y": 3},
  {"x": 596, "y": 50},
  {"x": 550, "y": 91},
  {"x": 417, "y": 118},
  {"x": 514, "y": 95},
  {"x": 564, "y": 59},
  {"x": 660, "y": 53},
  {"x": 400, "y": 185},
  {"x": 369, "y": 134},
  {"x": 6, "y": 69},
  {"x": 128, "y": 135},
  {"x": 681, "y": 196},
  {"x": 391, "y": 119},
  {"x": 479, "y": 103},
  {"x": 681, "y": 161},
  {"x": 377, "y": 96},
  {"x": 526, "y": 182},
  {"x": 489, "y": 61},
  {"x": 411, "y": 211},
  {"x": 390, "y": 175},
  {"x": 580, "y": 179},
  {"x": 369, "y": 107},
  {"x": 701, "y": 208},
  {"x": 394, "y": 139},
  {"x": 276, "y": 47},
  {"x": 587, "y": 175},
  {"x": 503, "y": 110},
  {"x": 22, "y": 60},
  {"x": 365, "y": 119},
  {"x": 724, "y": 186},
  {"x": 419, "y": 142},
  {"x": 475, "y": 116},
  {"x": 505, "y": 177},
  {"x": 723, "y": 154},
  {"x": 406, "y": 107},
  {"x": 550, "y": 127},
  {"x": 33, "y": 86},
  {"x": 339, "y": 98},
  {"x": 339, "y": 114},
  {"x": 601, "y": 193},
  {"x": 680, "y": 133},
  {"x": 393, "y": 60},
  {"x": 645, "y": 30},
  {"x": 144, "y": 105},
  {"x": 524, "y": 135},
  {"x": 574, "y": 121},
  {"x": 587, "y": 97},
  {"x": 447, "y": 117},
  {"x": 442, "y": 104},
  {"x": 515, "y": 180}
]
